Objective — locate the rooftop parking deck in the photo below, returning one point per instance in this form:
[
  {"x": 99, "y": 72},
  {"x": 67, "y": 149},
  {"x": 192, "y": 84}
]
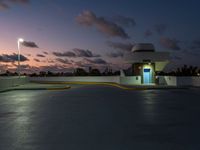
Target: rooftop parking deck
[{"x": 100, "y": 117}]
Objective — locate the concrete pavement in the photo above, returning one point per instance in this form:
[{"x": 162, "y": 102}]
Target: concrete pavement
[
  {"x": 125, "y": 87},
  {"x": 35, "y": 86},
  {"x": 100, "y": 117},
  {"x": 44, "y": 85}
]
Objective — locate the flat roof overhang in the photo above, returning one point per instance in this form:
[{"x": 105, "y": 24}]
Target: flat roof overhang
[
  {"x": 139, "y": 57},
  {"x": 161, "y": 59}
]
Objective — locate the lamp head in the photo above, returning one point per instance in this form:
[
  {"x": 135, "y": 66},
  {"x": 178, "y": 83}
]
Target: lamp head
[{"x": 20, "y": 40}]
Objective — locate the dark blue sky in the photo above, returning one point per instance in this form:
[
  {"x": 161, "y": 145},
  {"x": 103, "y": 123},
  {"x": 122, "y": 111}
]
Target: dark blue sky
[{"x": 97, "y": 33}]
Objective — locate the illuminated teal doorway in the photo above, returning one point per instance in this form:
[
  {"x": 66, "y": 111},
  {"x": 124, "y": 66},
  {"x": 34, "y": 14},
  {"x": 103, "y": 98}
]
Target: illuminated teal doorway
[{"x": 147, "y": 76}]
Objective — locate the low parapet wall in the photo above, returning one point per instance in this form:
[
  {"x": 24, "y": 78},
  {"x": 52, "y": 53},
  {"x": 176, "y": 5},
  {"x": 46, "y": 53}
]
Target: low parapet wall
[
  {"x": 7, "y": 82},
  {"x": 114, "y": 79},
  {"x": 171, "y": 80},
  {"x": 188, "y": 81},
  {"x": 133, "y": 80},
  {"x": 179, "y": 81}
]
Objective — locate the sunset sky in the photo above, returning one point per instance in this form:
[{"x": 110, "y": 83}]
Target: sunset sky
[{"x": 64, "y": 34}]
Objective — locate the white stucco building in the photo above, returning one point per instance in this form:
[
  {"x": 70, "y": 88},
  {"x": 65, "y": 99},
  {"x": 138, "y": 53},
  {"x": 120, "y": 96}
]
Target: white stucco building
[{"x": 146, "y": 61}]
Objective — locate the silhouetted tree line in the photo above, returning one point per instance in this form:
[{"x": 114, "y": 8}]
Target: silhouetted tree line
[
  {"x": 8, "y": 73},
  {"x": 183, "y": 71},
  {"x": 77, "y": 72}
]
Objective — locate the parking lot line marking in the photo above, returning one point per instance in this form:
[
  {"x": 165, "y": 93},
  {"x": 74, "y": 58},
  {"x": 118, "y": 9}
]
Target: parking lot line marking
[{"x": 58, "y": 89}]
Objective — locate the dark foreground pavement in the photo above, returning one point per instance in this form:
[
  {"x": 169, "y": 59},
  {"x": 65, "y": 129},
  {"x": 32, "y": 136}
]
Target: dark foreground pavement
[{"x": 100, "y": 118}]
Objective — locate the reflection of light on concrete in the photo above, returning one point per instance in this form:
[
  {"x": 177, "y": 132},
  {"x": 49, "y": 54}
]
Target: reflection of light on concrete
[
  {"x": 149, "y": 105},
  {"x": 20, "y": 96},
  {"x": 22, "y": 126}
]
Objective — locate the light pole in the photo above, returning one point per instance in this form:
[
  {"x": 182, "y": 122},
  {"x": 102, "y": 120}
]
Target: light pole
[{"x": 20, "y": 40}]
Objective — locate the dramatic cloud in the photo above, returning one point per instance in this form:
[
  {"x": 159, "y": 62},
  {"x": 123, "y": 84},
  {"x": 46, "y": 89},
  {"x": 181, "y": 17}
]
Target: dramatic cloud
[
  {"x": 64, "y": 54},
  {"x": 6, "y": 4},
  {"x": 40, "y": 55},
  {"x": 115, "y": 54},
  {"x": 24, "y": 68},
  {"x": 84, "y": 53},
  {"x": 50, "y": 60},
  {"x": 12, "y": 58},
  {"x": 56, "y": 68},
  {"x": 86, "y": 63},
  {"x": 109, "y": 28},
  {"x": 30, "y": 44},
  {"x": 124, "y": 21},
  {"x": 64, "y": 61},
  {"x": 98, "y": 61},
  {"x": 76, "y": 53},
  {"x": 121, "y": 46},
  {"x": 160, "y": 28},
  {"x": 86, "y": 18},
  {"x": 171, "y": 44},
  {"x": 3, "y": 68},
  {"x": 37, "y": 60},
  {"x": 46, "y": 53},
  {"x": 29, "y": 55}
]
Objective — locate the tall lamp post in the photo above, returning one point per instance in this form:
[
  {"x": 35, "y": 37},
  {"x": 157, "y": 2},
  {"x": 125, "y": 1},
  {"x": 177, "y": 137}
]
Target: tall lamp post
[{"x": 20, "y": 40}]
